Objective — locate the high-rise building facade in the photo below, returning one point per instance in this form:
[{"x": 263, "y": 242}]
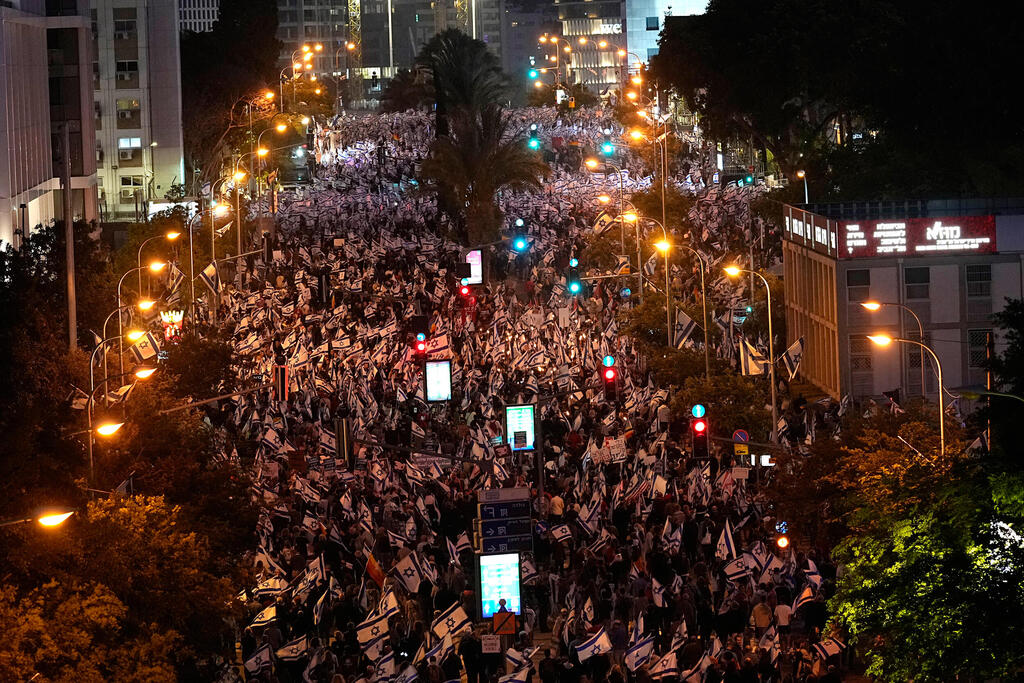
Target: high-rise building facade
[
  {"x": 198, "y": 15},
  {"x": 137, "y": 83},
  {"x": 45, "y": 63}
]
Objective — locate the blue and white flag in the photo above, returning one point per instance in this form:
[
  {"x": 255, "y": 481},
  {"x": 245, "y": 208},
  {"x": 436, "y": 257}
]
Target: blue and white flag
[
  {"x": 452, "y": 621},
  {"x": 372, "y": 634},
  {"x": 791, "y": 359},
  {"x": 211, "y": 277},
  {"x": 561, "y": 532},
  {"x": 639, "y": 653},
  {"x": 145, "y": 348},
  {"x": 261, "y": 659},
  {"x": 264, "y": 617},
  {"x": 598, "y": 644},
  {"x": 388, "y": 605},
  {"x": 829, "y": 647},
  {"x": 665, "y": 667},
  {"x": 806, "y": 596},
  {"x": 652, "y": 264},
  {"x": 683, "y": 329},
  {"x": 518, "y": 676},
  {"x": 409, "y": 572},
  {"x": 294, "y": 651},
  {"x": 752, "y": 361},
  {"x": 527, "y": 571},
  {"x": 657, "y": 593},
  {"x": 726, "y": 548}
]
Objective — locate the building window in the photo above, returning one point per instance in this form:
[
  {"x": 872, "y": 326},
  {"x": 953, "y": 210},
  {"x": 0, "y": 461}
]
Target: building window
[
  {"x": 127, "y": 70},
  {"x": 858, "y": 285},
  {"x": 129, "y": 184},
  {"x": 860, "y": 354},
  {"x": 979, "y": 280},
  {"x": 124, "y": 29},
  {"x": 129, "y": 143},
  {"x": 652, "y": 23},
  {"x": 916, "y": 281},
  {"x": 977, "y": 348}
]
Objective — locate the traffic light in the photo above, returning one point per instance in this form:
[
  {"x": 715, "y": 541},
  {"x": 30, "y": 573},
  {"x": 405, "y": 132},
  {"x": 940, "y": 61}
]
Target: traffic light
[
  {"x": 268, "y": 250},
  {"x": 749, "y": 179},
  {"x": 419, "y": 348},
  {"x": 607, "y": 147},
  {"x": 782, "y": 541},
  {"x": 533, "y": 74},
  {"x": 572, "y": 279},
  {"x": 610, "y": 376},
  {"x": 699, "y": 437},
  {"x": 534, "y": 141},
  {"x": 519, "y": 242}
]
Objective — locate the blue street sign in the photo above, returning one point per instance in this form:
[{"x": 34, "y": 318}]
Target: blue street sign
[
  {"x": 740, "y": 436},
  {"x": 496, "y": 528},
  {"x": 508, "y": 509},
  {"x": 698, "y": 410}
]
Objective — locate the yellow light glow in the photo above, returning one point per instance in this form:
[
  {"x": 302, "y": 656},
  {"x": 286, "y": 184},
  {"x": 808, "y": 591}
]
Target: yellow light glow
[
  {"x": 636, "y": 80},
  {"x": 622, "y": 53},
  {"x": 582, "y": 40},
  {"x": 543, "y": 39},
  {"x": 144, "y": 372},
  {"x": 800, "y": 174},
  {"x": 871, "y": 305},
  {"x": 318, "y": 47},
  {"x": 297, "y": 65},
  {"x": 603, "y": 198},
  {"x": 602, "y": 44},
  {"x": 350, "y": 46},
  {"x": 538, "y": 84},
  {"x": 109, "y": 428},
  {"x": 221, "y": 210},
  {"x": 269, "y": 95},
  {"x": 732, "y": 271},
  {"x": 636, "y": 134},
  {"x": 146, "y": 304},
  {"x": 308, "y": 57},
  {"x": 307, "y": 67},
  {"x": 662, "y": 246},
  {"x": 880, "y": 339},
  {"x": 239, "y": 175},
  {"x": 312, "y": 77},
  {"x": 134, "y": 335},
  {"x": 304, "y": 120},
  {"x": 173, "y": 235},
  {"x": 262, "y": 152},
  {"x": 567, "y": 49},
  {"x": 305, "y": 48},
  {"x": 317, "y": 91},
  {"x": 631, "y": 95},
  {"x": 782, "y": 542},
  {"x": 630, "y": 217},
  {"x": 54, "y": 518},
  {"x": 157, "y": 266},
  {"x": 591, "y": 163},
  {"x": 642, "y": 114},
  {"x": 281, "y": 127}
]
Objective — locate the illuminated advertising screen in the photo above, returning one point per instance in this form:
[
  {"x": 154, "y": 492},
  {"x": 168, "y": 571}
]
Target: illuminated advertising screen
[
  {"x": 476, "y": 267},
  {"x": 438, "y": 378},
  {"x": 918, "y": 237},
  {"x": 499, "y": 580},
  {"x": 519, "y": 427}
]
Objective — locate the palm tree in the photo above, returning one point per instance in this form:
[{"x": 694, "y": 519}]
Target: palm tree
[
  {"x": 463, "y": 73},
  {"x": 480, "y": 157},
  {"x": 407, "y": 90}
]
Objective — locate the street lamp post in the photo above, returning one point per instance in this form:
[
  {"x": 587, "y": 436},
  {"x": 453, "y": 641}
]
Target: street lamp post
[
  {"x": 47, "y": 518},
  {"x": 221, "y": 208},
  {"x": 664, "y": 247},
  {"x": 704, "y": 306},
  {"x": 107, "y": 428},
  {"x": 876, "y": 305},
  {"x": 593, "y": 164},
  {"x": 802, "y": 175},
  {"x": 885, "y": 340},
  {"x": 155, "y": 266},
  {"x": 733, "y": 271},
  {"x": 170, "y": 236}
]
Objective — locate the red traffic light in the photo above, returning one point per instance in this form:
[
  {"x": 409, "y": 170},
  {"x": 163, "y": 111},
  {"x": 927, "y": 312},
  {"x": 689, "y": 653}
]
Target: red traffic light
[
  {"x": 609, "y": 374},
  {"x": 699, "y": 426},
  {"x": 421, "y": 346},
  {"x": 464, "y": 290}
]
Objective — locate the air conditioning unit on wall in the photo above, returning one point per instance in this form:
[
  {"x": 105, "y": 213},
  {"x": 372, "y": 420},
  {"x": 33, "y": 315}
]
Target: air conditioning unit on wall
[{"x": 126, "y": 155}]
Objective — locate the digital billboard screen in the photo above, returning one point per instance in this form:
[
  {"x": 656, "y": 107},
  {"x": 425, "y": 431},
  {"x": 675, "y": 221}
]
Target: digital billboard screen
[{"x": 499, "y": 580}]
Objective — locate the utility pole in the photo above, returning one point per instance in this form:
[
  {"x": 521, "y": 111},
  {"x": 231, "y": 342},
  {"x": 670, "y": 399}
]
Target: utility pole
[{"x": 69, "y": 235}]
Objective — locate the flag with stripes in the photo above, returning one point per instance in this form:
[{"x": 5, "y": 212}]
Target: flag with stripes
[
  {"x": 665, "y": 667},
  {"x": 211, "y": 277},
  {"x": 295, "y": 650},
  {"x": 792, "y": 357},
  {"x": 806, "y": 596},
  {"x": 145, "y": 348},
  {"x": 261, "y": 659},
  {"x": 828, "y": 647},
  {"x": 752, "y": 361},
  {"x": 451, "y": 622},
  {"x": 598, "y": 644},
  {"x": 683, "y": 329},
  {"x": 264, "y": 617},
  {"x": 652, "y": 264},
  {"x": 409, "y": 572},
  {"x": 726, "y": 548},
  {"x": 640, "y": 653}
]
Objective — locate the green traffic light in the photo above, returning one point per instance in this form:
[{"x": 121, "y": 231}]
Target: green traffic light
[
  {"x": 575, "y": 287},
  {"x": 533, "y": 73},
  {"x": 534, "y": 143}
]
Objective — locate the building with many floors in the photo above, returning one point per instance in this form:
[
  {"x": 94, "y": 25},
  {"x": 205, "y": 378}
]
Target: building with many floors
[
  {"x": 198, "y": 15},
  {"x": 946, "y": 264},
  {"x": 45, "y": 90},
  {"x": 139, "y": 149}
]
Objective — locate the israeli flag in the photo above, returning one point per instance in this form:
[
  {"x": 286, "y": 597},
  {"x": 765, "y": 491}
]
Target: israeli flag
[
  {"x": 294, "y": 651},
  {"x": 260, "y": 660},
  {"x": 829, "y": 647},
  {"x": 598, "y": 644},
  {"x": 211, "y": 277},
  {"x": 264, "y": 617},
  {"x": 451, "y": 622},
  {"x": 640, "y": 653},
  {"x": 371, "y": 631},
  {"x": 666, "y": 667},
  {"x": 683, "y": 329},
  {"x": 726, "y": 548},
  {"x": 791, "y": 359},
  {"x": 752, "y": 361},
  {"x": 145, "y": 348}
]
